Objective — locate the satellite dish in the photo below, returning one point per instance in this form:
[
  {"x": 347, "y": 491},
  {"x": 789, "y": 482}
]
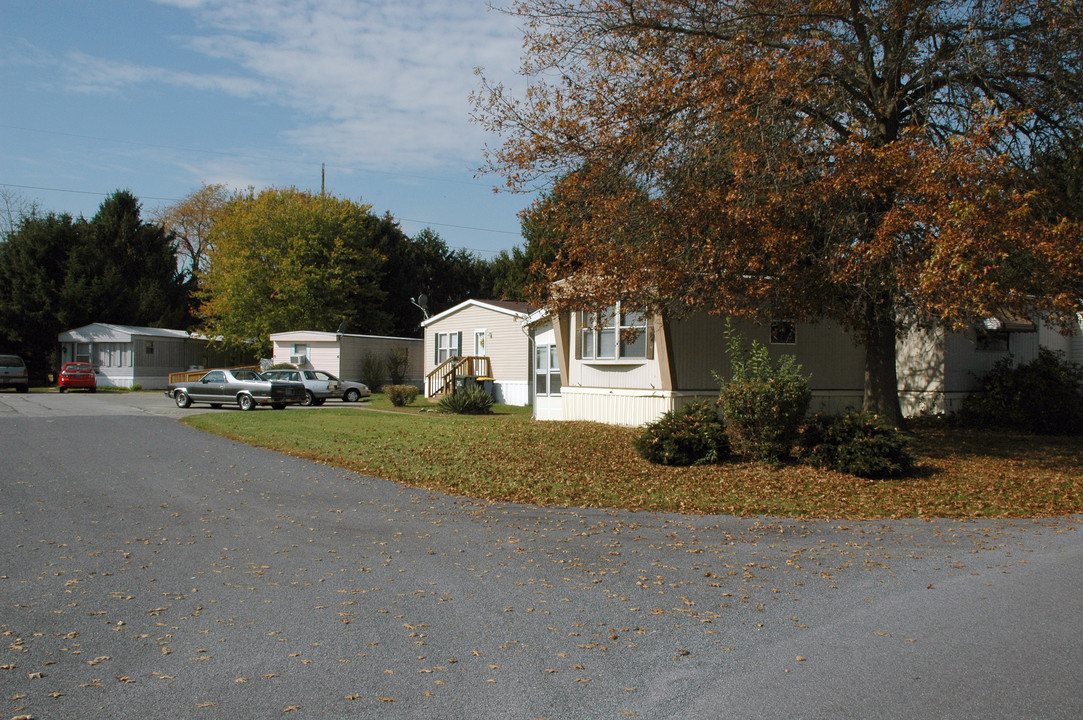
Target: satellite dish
[
  {"x": 342, "y": 327},
  {"x": 423, "y": 300}
]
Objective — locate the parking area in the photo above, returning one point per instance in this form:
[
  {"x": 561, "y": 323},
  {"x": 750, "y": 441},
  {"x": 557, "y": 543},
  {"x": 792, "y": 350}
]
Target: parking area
[{"x": 104, "y": 403}]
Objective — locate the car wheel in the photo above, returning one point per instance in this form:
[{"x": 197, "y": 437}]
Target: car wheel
[
  {"x": 278, "y": 406},
  {"x": 61, "y": 389},
  {"x": 309, "y": 400},
  {"x": 351, "y": 395},
  {"x": 245, "y": 402},
  {"x": 93, "y": 389},
  {"x": 182, "y": 399},
  {"x": 319, "y": 401}
]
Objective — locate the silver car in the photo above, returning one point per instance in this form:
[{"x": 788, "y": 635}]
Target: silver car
[
  {"x": 317, "y": 388},
  {"x": 350, "y": 390},
  {"x": 244, "y": 387},
  {"x": 13, "y": 373}
]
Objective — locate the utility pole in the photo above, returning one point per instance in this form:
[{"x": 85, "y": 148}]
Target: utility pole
[{"x": 323, "y": 178}]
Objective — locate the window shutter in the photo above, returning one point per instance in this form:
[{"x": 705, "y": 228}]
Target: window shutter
[
  {"x": 435, "y": 349},
  {"x": 649, "y": 339},
  {"x": 459, "y": 345}
]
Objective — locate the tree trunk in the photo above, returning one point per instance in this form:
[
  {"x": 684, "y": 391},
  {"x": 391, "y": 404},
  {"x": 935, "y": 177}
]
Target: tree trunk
[{"x": 881, "y": 376}]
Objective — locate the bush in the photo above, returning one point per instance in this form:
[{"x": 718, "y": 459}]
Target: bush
[
  {"x": 400, "y": 395},
  {"x": 373, "y": 370},
  {"x": 469, "y": 401},
  {"x": 1044, "y": 396},
  {"x": 764, "y": 403},
  {"x": 398, "y": 364},
  {"x": 693, "y": 435},
  {"x": 856, "y": 443}
]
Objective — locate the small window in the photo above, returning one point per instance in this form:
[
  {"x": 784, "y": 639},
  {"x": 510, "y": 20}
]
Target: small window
[
  {"x": 783, "y": 332},
  {"x": 148, "y": 348},
  {"x": 992, "y": 340}
]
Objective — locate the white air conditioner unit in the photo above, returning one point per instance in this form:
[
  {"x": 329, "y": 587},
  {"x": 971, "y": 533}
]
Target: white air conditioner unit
[{"x": 298, "y": 359}]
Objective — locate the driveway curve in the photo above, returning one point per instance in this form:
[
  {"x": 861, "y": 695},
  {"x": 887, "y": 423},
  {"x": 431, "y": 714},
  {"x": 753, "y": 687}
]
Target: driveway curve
[{"x": 149, "y": 570}]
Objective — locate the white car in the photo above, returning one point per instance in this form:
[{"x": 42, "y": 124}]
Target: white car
[
  {"x": 352, "y": 390},
  {"x": 318, "y": 385}
]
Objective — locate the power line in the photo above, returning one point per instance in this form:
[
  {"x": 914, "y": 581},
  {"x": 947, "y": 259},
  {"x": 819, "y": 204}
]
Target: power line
[{"x": 166, "y": 199}]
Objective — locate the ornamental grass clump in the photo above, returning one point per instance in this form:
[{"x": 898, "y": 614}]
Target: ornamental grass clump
[
  {"x": 763, "y": 402},
  {"x": 693, "y": 435},
  {"x": 856, "y": 443},
  {"x": 468, "y": 401}
]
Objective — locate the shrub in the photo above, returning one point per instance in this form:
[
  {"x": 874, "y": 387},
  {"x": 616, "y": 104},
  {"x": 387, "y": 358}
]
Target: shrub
[
  {"x": 468, "y": 401},
  {"x": 764, "y": 403},
  {"x": 1044, "y": 396},
  {"x": 400, "y": 395},
  {"x": 693, "y": 435},
  {"x": 398, "y": 364},
  {"x": 373, "y": 370},
  {"x": 282, "y": 366},
  {"x": 137, "y": 387},
  {"x": 856, "y": 443}
]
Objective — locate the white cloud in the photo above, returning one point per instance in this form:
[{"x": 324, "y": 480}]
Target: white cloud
[{"x": 377, "y": 83}]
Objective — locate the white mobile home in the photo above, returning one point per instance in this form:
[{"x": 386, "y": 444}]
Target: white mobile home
[
  {"x": 484, "y": 339},
  {"x": 125, "y": 356},
  {"x": 342, "y": 354}
]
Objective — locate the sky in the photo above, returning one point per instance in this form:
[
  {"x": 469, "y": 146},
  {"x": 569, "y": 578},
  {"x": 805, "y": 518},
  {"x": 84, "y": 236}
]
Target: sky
[{"x": 157, "y": 97}]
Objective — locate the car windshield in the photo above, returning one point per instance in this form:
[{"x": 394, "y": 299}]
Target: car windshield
[
  {"x": 11, "y": 361},
  {"x": 80, "y": 367}
]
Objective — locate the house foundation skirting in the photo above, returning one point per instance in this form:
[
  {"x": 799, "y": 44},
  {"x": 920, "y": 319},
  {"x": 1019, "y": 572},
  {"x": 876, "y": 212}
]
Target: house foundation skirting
[{"x": 634, "y": 408}]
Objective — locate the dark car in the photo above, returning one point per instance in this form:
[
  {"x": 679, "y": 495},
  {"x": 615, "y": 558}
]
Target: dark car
[
  {"x": 246, "y": 388},
  {"x": 78, "y": 375},
  {"x": 13, "y": 373}
]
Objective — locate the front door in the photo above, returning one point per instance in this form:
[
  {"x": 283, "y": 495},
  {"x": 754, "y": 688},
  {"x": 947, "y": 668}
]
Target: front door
[{"x": 479, "y": 343}]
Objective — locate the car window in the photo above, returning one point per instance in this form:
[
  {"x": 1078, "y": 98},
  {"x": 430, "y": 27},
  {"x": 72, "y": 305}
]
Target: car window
[
  {"x": 214, "y": 376},
  {"x": 11, "y": 361},
  {"x": 325, "y": 375},
  {"x": 309, "y": 375},
  {"x": 245, "y": 375}
]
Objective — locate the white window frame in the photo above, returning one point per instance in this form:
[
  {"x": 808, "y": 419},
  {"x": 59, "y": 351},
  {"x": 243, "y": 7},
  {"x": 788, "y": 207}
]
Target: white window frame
[
  {"x": 546, "y": 371},
  {"x": 605, "y": 340},
  {"x": 447, "y": 346}
]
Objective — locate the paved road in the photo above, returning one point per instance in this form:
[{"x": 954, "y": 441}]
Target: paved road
[{"x": 150, "y": 571}]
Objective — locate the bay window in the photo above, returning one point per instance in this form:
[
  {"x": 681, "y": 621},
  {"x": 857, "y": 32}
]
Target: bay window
[{"x": 613, "y": 333}]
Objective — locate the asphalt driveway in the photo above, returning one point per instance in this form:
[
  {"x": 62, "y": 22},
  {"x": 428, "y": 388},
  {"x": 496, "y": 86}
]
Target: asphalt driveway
[{"x": 149, "y": 570}]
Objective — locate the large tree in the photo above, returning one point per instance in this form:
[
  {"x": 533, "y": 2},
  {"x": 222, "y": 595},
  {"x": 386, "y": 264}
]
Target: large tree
[
  {"x": 189, "y": 221},
  {"x": 288, "y": 260},
  {"x": 57, "y": 273},
  {"x": 862, "y": 160}
]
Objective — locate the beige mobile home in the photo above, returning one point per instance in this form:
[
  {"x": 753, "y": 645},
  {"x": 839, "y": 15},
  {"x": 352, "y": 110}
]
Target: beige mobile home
[
  {"x": 624, "y": 368},
  {"x": 342, "y": 354},
  {"x": 484, "y": 339},
  {"x": 938, "y": 368},
  {"x": 125, "y": 356},
  {"x": 607, "y": 376}
]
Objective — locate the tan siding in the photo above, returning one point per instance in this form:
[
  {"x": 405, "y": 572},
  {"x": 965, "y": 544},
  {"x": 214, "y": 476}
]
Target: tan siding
[{"x": 506, "y": 345}]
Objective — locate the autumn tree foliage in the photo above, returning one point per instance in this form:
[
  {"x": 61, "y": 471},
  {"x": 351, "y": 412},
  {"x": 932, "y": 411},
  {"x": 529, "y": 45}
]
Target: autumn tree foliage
[
  {"x": 284, "y": 260},
  {"x": 189, "y": 221},
  {"x": 858, "y": 160}
]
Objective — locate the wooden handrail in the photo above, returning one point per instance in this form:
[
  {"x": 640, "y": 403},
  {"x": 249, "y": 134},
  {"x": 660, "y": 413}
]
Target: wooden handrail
[{"x": 442, "y": 379}]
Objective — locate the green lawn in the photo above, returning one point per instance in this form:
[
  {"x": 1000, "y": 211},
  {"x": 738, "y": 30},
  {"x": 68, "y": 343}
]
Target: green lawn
[{"x": 508, "y": 457}]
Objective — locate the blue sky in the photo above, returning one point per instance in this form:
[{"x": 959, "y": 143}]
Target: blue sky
[{"x": 157, "y": 97}]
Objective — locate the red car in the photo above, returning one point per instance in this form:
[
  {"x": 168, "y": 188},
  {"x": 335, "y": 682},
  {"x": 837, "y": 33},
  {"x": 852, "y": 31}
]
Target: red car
[{"x": 78, "y": 375}]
